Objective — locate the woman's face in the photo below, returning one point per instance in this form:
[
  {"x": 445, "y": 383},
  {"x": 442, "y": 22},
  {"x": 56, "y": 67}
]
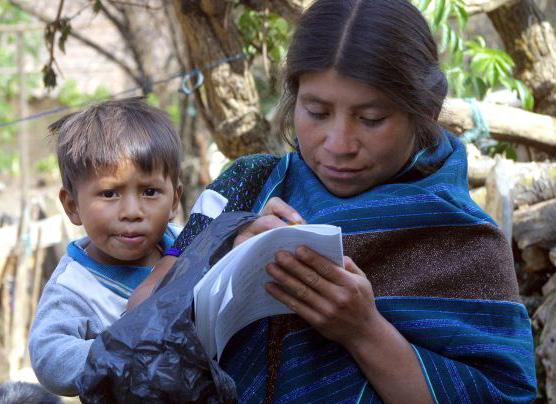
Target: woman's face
[{"x": 350, "y": 134}]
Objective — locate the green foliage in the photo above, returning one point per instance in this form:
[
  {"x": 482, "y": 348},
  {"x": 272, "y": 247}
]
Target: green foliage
[
  {"x": 47, "y": 165},
  {"x": 172, "y": 109},
  {"x": 260, "y": 29},
  {"x": 472, "y": 68},
  {"x": 71, "y": 96}
]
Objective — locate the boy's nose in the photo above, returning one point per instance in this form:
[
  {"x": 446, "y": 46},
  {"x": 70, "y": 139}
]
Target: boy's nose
[{"x": 131, "y": 209}]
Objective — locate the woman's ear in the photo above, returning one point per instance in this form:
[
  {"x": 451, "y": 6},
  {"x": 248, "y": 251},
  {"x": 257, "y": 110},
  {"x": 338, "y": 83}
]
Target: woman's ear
[
  {"x": 70, "y": 206},
  {"x": 176, "y": 201}
]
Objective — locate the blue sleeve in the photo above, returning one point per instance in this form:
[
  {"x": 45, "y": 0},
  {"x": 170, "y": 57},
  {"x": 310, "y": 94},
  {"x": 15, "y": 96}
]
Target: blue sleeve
[{"x": 239, "y": 187}]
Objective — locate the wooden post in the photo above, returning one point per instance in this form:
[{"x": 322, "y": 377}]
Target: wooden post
[{"x": 21, "y": 308}]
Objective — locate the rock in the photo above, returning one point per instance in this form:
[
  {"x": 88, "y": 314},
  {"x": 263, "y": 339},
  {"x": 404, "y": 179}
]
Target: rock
[
  {"x": 545, "y": 316},
  {"x": 536, "y": 259},
  {"x": 549, "y": 286}
]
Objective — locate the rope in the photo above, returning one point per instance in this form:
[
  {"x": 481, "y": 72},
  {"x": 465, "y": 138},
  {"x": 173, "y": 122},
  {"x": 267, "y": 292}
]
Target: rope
[
  {"x": 481, "y": 129},
  {"x": 184, "y": 88}
]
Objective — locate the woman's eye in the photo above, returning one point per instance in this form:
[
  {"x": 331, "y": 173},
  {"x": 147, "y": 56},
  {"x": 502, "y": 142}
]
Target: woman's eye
[
  {"x": 150, "y": 191},
  {"x": 371, "y": 122},
  {"x": 317, "y": 115},
  {"x": 108, "y": 194}
]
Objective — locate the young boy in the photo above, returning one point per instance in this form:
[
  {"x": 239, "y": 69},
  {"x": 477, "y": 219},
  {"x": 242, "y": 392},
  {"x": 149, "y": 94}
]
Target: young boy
[{"x": 119, "y": 162}]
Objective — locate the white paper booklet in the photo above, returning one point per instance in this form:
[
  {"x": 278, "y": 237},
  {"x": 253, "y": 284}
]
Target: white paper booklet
[{"x": 232, "y": 295}]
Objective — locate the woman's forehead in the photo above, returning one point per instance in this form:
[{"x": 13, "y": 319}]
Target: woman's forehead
[{"x": 329, "y": 87}]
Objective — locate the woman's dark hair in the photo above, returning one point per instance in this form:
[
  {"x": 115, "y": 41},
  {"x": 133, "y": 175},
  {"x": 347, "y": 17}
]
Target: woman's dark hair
[{"x": 386, "y": 44}]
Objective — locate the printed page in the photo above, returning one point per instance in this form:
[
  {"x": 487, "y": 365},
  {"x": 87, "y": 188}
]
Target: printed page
[{"x": 232, "y": 294}]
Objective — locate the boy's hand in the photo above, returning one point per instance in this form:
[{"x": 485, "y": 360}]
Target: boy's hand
[{"x": 146, "y": 288}]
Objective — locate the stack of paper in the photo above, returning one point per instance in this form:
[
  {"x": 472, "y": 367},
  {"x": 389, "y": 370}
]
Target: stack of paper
[{"x": 232, "y": 295}]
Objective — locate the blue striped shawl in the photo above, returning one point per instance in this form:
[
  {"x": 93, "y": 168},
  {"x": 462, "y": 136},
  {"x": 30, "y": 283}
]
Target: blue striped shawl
[{"x": 470, "y": 350}]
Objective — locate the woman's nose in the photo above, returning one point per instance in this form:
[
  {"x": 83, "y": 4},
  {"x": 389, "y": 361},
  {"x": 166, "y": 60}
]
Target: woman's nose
[{"x": 340, "y": 137}]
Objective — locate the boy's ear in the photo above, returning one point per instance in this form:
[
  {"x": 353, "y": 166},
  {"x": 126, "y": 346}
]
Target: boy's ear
[
  {"x": 70, "y": 206},
  {"x": 176, "y": 201}
]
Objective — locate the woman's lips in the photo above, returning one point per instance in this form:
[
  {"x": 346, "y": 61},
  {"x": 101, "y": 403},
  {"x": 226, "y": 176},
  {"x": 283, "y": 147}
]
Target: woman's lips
[{"x": 340, "y": 172}]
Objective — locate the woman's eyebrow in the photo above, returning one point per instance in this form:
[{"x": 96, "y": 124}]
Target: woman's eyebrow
[
  {"x": 313, "y": 98},
  {"x": 378, "y": 104}
]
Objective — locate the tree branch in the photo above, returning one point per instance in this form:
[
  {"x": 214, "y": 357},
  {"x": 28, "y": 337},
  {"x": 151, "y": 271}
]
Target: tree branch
[
  {"x": 123, "y": 26},
  {"x": 84, "y": 40}
]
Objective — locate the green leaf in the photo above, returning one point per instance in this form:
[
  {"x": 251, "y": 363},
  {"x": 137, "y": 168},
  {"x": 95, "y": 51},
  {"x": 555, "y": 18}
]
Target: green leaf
[
  {"x": 97, "y": 6},
  {"x": 439, "y": 14}
]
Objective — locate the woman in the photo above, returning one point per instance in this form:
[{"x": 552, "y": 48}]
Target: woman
[{"x": 427, "y": 308}]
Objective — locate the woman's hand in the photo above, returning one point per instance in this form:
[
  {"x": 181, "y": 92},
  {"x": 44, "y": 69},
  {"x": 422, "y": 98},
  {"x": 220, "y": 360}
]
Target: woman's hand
[
  {"x": 338, "y": 302},
  {"x": 276, "y": 213}
]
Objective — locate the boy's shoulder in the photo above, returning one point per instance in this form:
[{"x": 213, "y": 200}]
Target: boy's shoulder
[{"x": 72, "y": 281}]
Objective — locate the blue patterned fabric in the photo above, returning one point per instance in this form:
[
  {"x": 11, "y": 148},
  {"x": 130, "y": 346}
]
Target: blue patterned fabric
[
  {"x": 470, "y": 350},
  {"x": 440, "y": 199}
]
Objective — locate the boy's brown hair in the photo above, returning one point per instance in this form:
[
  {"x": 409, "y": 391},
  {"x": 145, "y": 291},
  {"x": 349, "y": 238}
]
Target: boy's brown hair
[{"x": 103, "y": 135}]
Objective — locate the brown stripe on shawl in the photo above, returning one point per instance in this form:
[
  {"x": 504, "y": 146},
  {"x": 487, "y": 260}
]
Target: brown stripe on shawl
[{"x": 469, "y": 262}]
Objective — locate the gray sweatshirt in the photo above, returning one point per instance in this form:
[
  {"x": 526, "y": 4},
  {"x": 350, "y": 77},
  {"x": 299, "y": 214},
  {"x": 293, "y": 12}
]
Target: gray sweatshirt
[{"x": 81, "y": 299}]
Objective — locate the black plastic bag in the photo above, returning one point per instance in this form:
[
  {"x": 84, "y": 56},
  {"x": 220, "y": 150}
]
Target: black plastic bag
[{"x": 152, "y": 354}]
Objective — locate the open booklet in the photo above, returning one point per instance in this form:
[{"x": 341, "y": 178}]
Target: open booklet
[{"x": 232, "y": 295}]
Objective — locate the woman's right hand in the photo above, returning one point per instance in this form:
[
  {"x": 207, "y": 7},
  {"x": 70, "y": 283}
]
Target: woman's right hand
[{"x": 276, "y": 213}]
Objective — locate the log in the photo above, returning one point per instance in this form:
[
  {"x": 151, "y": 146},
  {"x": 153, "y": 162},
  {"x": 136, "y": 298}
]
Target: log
[
  {"x": 479, "y": 196},
  {"x": 534, "y": 225},
  {"x": 531, "y": 182},
  {"x": 478, "y": 166},
  {"x": 484, "y": 6},
  {"x": 507, "y": 124},
  {"x": 499, "y": 202}
]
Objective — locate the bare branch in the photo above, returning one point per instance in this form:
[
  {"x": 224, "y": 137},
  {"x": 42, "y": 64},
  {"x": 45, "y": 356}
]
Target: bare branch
[
  {"x": 132, "y": 4},
  {"x": 84, "y": 40},
  {"x": 123, "y": 26}
]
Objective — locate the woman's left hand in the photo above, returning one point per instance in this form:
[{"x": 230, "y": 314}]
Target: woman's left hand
[{"x": 338, "y": 302}]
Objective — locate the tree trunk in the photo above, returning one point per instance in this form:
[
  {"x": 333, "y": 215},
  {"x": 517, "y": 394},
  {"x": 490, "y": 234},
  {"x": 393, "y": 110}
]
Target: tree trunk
[
  {"x": 228, "y": 98},
  {"x": 529, "y": 38}
]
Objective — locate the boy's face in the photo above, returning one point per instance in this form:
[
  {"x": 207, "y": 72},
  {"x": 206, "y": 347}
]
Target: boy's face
[{"x": 124, "y": 212}]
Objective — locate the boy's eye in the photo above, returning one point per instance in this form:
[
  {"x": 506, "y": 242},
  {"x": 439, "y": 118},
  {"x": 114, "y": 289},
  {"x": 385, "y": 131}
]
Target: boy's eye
[
  {"x": 108, "y": 194},
  {"x": 150, "y": 191}
]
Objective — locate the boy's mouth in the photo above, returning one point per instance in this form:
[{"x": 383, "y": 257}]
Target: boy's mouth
[{"x": 130, "y": 237}]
